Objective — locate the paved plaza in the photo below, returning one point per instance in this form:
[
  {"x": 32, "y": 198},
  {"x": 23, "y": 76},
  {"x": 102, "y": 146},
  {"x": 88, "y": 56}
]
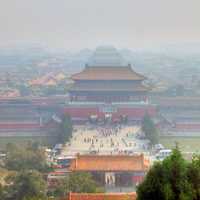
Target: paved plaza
[{"x": 119, "y": 139}]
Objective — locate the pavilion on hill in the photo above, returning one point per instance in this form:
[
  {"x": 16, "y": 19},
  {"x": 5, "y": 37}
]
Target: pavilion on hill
[{"x": 108, "y": 86}]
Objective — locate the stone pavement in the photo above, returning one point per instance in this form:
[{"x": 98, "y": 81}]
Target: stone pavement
[{"x": 120, "y": 139}]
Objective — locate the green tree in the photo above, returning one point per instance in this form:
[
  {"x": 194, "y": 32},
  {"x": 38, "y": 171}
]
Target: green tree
[
  {"x": 66, "y": 129},
  {"x": 167, "y": 180},
  {"x": 150, "y": 130},
  {"x": 36, "y": 198},
  {"x": 25, "y": 157},
  {"x": 175, "y": 168},
  {"x": 79, "y": 182},
  {"x": 193, "y": 176},
  {"x": 26, "y": 185},
  {"x": 151, "y": 188},
  {"x": 1, "y": 192}
]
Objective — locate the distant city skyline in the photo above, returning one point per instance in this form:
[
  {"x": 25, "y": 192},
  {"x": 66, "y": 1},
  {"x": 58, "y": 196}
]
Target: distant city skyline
[{"x": 76, "y": 24}]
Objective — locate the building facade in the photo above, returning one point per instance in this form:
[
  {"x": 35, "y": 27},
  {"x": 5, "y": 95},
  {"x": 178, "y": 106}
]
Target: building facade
[{"x": 112, "y": 170}]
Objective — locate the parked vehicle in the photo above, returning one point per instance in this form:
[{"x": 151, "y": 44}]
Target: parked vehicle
[{"x": 162, "y": 154}]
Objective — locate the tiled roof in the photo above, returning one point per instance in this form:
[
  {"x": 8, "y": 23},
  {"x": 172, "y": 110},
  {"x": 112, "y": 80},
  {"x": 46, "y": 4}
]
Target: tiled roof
[
  {"x": 109, "y": 163},
  {"x": 108, "y": 86},
  {"x": 102, "y": 196},
  {"x": 108, "y": 73},
  {"x": 48, "y": 79}
]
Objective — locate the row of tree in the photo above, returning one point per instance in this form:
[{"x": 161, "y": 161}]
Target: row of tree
[
  {"x": 78, "y": 182},
  {"x": 150, "y": 130},
  {"x": 31, "y": 185},
  {"x": 28, "y": 180},
  {"x": 29, "y": 156},
  {"x": 173, "y": 179}
]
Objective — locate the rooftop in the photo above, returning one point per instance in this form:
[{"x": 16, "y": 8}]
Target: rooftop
[
  {"x": 110, "y": 163},
  {"x": 109, "y": 86},
  {"x": 102, "y": 196},
  {"x": 107, "y": 64},
  {"x": 108, "y": 73}
]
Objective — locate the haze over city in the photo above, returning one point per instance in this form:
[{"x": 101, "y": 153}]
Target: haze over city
[
  {"x": 100, "y": 99},
  {"x": 75, "y": 24}
]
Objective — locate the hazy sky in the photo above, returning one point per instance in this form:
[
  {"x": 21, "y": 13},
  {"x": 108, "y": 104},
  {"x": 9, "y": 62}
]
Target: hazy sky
[{"x": 88, "y": 23}]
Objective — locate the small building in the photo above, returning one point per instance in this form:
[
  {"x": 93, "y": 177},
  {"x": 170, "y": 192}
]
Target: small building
[{"x": 112, "y": 170}]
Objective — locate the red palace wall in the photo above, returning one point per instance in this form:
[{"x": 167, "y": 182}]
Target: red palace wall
[
  {"x": 132, "y": 113},
  {"x": 28, "y": 126},
  {"x": 188, "y": 126}
]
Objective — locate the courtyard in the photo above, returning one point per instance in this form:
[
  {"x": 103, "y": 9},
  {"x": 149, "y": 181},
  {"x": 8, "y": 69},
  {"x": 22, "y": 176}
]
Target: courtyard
[{"x": 111, "y": 140}]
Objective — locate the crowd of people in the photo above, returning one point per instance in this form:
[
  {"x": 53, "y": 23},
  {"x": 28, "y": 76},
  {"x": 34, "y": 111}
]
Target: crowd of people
[
  {"x": 106, "y": 140},
  {"x": 107, "y": 132}
]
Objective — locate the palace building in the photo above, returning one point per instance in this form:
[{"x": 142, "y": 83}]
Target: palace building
[
  {"x": 112, "y": 170},
  {"x": 108, "y": 87}
]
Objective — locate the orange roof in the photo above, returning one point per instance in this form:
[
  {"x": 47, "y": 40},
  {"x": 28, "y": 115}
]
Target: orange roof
[
  {"x": 109, "y": 163},
  {"x": 102, "y": 196},
  {"x": 48, "y": 79},
  {"x": 108, "y": 73}
]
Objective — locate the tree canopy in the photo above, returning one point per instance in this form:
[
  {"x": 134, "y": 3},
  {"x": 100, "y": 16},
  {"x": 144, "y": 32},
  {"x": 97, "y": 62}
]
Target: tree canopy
[
  {"x": 193, "y": 175},
  {"x": 150, "y": 130},
  {"x": 79, "y": 182},
  {"x": 27, "y": 157},
  {"x": 66, "y": 129},
  {"x": 172, "y": 179},
  {"x": 1, "y": 192},
  {"x": 24, "y": 186}
]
